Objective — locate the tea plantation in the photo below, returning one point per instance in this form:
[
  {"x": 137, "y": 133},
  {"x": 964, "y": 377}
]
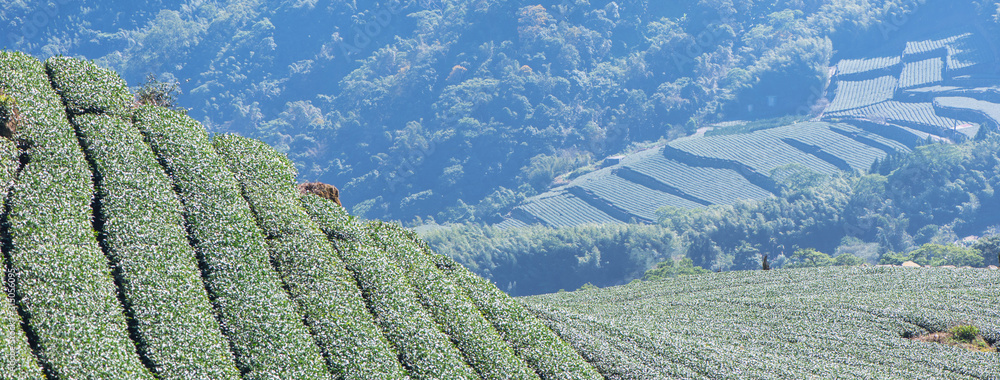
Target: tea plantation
[
  {"x": 784, "y": 324},
  {"x": 942, "y": 89},
  {"x": 137, "y": 246},
  {"x": 700, "y": 171}
]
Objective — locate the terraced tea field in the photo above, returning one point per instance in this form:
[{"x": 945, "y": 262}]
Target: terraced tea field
[
  {"x": 981, "y": 111},
  {"x": 560, "y": 208},
  {"x": 857, "y": 94},
  {"x": 919, "y": 116},
  {"x": 832, "y": 323},
  {"x": 941, "y": 89},
  {"x": 701, "y": 171},
  {"x": 139, "y": 247},
  {"x": 700, "y": 183},
  {"x": 868, "y": 68},
  {"x": 960, "y": 64},
  {"x": 922, "y": 73}
]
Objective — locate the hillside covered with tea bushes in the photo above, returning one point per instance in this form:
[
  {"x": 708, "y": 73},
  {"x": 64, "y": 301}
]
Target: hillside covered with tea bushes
[
  {"x": 816, "y": 323},
  {"x": 138, "y": 246}
]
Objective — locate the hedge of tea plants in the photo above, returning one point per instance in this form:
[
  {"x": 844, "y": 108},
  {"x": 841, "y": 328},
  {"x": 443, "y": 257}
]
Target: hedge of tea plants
[
  {"x": 539, "y": 346},
  {"x": 144, "y": 236},
  {"x": 262, "y": 323},
  {"x": 317, "y": 279},
  {"x": 61, "y": 280},
  {"x": 423, "y": 347},
  {"x": 16, "y": 359},
  {"x": 479, "y": 342},
  {"x": 87, "y": 88},
  {"x": 530, "y": 340}
]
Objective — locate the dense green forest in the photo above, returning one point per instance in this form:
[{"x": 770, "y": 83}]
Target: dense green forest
[
  {"x": 456, "y": 111},
  {"x": 929, "y": 199},
  {"x": 487, "y": 100}
]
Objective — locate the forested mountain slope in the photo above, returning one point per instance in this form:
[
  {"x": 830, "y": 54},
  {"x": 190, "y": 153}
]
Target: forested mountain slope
[
  {"x": 941, "y": 89},
  {"x": 774, "y": 187},
  {"x": 137, "y": 246},
  {"x": 489, "y": 99},
  {"x": 942, "y": 194}
]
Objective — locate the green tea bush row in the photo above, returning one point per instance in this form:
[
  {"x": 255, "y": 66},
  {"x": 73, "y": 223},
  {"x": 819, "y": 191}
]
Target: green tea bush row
[
  {"x": 326, "y": 293},
  {"x": 87, "y": 88},
  {"x": 16, "y": 359},
  {"x": 423, "y": 348},
  {"x": 479, "y": 342},
  {"x": 541, "y": 348},
  {"x": 61, "y": 279},
  {"x": 639, "y": 357},
  {"x": 614, "y": 360},
  {"x": 8, "y": 164},
  {"x": 265, "y": 331},
  {"x": 144, "y": 236}
]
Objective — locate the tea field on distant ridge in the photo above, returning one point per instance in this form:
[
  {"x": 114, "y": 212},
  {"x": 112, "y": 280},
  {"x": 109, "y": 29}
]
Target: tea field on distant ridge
[
  {"x": 940, "y": 89},
  {"x": 784, "y": 324}
]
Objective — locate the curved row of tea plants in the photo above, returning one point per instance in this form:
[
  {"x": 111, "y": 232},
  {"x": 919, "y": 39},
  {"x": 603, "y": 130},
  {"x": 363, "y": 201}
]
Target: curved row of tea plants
[
  {"x": 16, "y": 358},
  {"x": 315, "y": 276},
  {"x": 479, "y": 342},
  {"x": 136, "y": 246},
  {"x": 423, "y": 348},
  {"x": 143, "y": 234},
  {"x": 60, "y": 278},
  {"x": 546, "y": 353},
  {"x": 263, "y": 325}
]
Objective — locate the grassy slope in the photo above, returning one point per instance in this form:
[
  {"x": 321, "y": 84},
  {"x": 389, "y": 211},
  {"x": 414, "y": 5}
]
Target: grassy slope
[{"x": 819, "y": 323}]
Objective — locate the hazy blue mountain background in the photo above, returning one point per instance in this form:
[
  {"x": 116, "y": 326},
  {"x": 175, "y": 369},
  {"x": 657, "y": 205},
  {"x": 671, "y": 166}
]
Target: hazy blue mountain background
[
  {"x": 460, "y": 111},
  {"x": 457, "y": 109}
]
